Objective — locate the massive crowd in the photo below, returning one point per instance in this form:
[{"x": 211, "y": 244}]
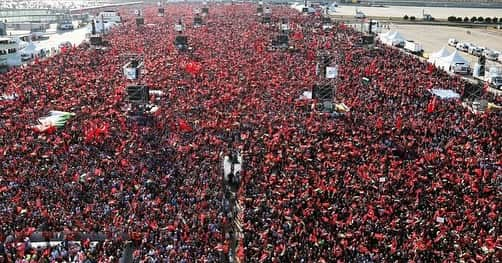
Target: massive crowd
[{"x": 400, "y": 177}]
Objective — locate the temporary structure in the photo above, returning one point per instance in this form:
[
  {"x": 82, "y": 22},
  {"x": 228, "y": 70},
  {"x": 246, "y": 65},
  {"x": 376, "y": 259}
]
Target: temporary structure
[
  {"x": 443, "y": 52},
  {"x": 445, "y": 93},
  {"x": 394, "y": 39},
  {"x": 30, "y": 49},
  {"x": 383, "y": 37},
  {"x": 453, "y": 63}
]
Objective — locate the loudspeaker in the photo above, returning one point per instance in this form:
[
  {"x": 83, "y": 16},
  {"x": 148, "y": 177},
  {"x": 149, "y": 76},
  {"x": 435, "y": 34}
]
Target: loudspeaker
[
  {"x": 205, "y": 10},
  {"x": 482, "y": 60},
  {"x": 96, "y": 40},
  {"x": 181, "y": 40},
  {"x": 140, "y": 21},
  {"x": 138, "y": 94},
  {"x": 368, "y": 40},
  {"x": 283, "y": 39},
  {"x": 482, "y": 63},
  {"x": 93, "y": 27},
  {"x": 197, "y": 20},
  {"x": 472, "y": 90},
  {"x": 266, "y": 20},
  {"x": 259, "y": 10},
  {"x": 322, "y": 92}
]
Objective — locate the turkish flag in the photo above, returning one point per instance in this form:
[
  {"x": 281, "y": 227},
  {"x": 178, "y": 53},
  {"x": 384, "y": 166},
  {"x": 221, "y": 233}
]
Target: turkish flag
[
  {"x": 399, "y": 122},
  {"x": 430, "y": 68},
  {"x": 379, "y": 123},
  {"x": 298, "y": 36},
  {"x": 432, "y": 105},
  {"x": 193, "y": 68},
  {"x": 183, "y": 126}
]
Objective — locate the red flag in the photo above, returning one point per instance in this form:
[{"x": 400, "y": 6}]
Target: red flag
[
  {"x": 432, "y": 105},
  {"x": 20, "y": 249},
  {"x": 153, "y": 225},
  {"x": 379, "y": 123},
  {"x": 193, "y": 68},
  {"x": 298, "y": 36},
  {"x": 183, "y": 126},
  {"x": 393, "y": 246},
  {"x": 29, "y": 231},
  {"x": 47, "y": 252},
  {"x": 86, "y": 243},
  {"x": 240, "y": 253},
  {"x": 486, "y": 87},
  {"x": 399, "y": 122},
  {"x": 430, "y": 68}
]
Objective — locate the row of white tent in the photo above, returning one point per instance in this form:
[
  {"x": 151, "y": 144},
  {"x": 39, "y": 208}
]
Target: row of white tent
[
  {"x": 443, "y": 59},
  {"x": 31, "y": 49},
  {"x": 392, "y": 38}
]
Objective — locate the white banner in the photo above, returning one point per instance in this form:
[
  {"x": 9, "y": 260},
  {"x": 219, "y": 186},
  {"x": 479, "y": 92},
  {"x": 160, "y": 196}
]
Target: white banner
[
  {"x": 130, "y": 73},
  {"x": 331, "y": 72},
  {"x": 284, "y": 27}
]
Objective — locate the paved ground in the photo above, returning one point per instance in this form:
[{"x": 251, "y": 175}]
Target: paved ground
[
  {"x": 55, "y": 38},
  {"x": 433, "y": 38},
  {"x": 437, "y": 12}
]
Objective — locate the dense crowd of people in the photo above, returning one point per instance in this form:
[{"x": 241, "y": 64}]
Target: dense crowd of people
[{"x": 400, "y": 177}]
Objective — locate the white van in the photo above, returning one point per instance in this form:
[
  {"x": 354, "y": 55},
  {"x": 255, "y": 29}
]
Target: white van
[
  {"x": 452, "y": 42},
  {"x": 463, "y": 46},
  {"x": 413, "y": 47},
  {"x": 490, "y": 54}
]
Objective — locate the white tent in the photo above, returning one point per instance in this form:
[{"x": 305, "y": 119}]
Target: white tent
[
  {"x": 22, "y": 44},
  {"x": 299, "y": 7},
  {"x": 394, "y": 39},
  {"x": 31, "y": 49},
  {"x": 452, "y": 61},
  {"x": 102, "y": 26},
  {"x": 445, "y": 94},
  {"x": 383, "y": 37},
  {"x": 437, "y": 55}
]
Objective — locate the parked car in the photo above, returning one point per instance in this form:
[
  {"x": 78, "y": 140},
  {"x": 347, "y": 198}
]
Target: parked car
[
  {"x": 490, "y": 54},
  {"x": 476, "y": 51},
  {"x": 26, "y": 57},
  {"x": 359, "y": 14},
  {"x": 65, "y": 26},
  {"x": 452, "y": 42},
  {"x": 460, "y": 68},
  {"x": 463, "y": 46}
]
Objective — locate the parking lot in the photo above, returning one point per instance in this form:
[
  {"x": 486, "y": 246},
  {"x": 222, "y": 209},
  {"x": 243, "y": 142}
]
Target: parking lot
[{"x": 433, "y": 38}]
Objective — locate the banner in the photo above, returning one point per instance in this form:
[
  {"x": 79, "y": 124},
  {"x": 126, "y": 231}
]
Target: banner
[
  {"x": 130, "y": 73},
  {"x": 332, "y": 72}
]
